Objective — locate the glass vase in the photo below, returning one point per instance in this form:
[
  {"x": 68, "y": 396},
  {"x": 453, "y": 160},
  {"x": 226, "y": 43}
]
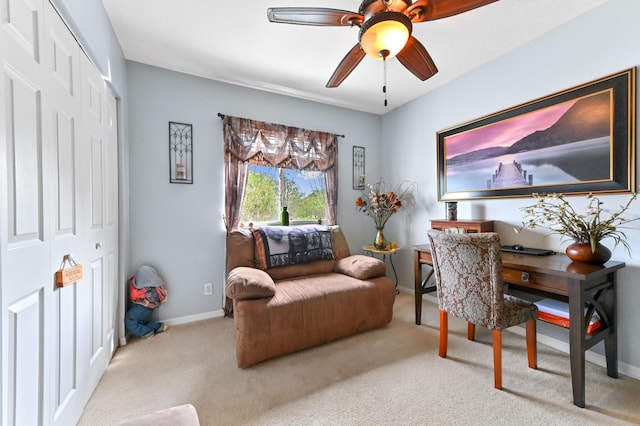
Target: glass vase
[{"x": 380, "y": 243}]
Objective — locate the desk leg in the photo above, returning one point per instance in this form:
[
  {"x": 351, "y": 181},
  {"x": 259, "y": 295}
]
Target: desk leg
[
  {"x": 611, "y": 341},
  {"x": 417, "y": 276},
  {"x": 576, "y": 341}
]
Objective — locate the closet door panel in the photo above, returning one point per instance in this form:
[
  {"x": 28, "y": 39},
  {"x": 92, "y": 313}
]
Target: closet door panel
[
  {"x": 61, "y": 63},
  {"x": 111, "y": 220},
  {"x": 26, "y": 372},
  {"x": 64, "y": 192},
  {"x": 22, "y": 20},
  {"x": 93, "y": 143},
  {"x": 65, "y": 377},
  {"x": 26, "y": 284},
  {"x": 23, "y": 116}
]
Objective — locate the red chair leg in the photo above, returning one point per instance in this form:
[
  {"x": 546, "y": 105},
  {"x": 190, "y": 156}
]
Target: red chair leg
[
  {"x": 444, "y": 330},
  {"x": 497, "y": 358},
  {"x": 532, "y": 348},
  {"x": 471, "y": 331}
]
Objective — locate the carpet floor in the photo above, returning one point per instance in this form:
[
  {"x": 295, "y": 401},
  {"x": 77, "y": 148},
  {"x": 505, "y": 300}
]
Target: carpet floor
[{"x": 388, "y": 376}]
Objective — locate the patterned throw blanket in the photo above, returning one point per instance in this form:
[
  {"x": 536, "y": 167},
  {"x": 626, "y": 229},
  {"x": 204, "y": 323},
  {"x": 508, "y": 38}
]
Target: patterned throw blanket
[{"x": 290, "y": 245}]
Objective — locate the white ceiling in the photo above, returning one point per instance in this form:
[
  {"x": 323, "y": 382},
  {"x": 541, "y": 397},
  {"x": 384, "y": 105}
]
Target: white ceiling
[{"x": 233, "y": 42}]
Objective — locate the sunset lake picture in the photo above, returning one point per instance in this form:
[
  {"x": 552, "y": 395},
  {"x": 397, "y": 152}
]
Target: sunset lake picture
[
  {"x": 564, "y": 143},
  {"x": 576, "y": 141}
]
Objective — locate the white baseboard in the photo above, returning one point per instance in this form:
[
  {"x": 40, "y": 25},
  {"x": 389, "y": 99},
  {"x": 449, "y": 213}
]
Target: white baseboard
[
  {"x": 593, "y": 357},
  {"x": 180, "y": 320},
  {"x": 193, "y": 318}
]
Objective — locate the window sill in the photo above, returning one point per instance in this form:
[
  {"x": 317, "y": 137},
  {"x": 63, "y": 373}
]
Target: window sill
[{"x": 291, "y": 223}]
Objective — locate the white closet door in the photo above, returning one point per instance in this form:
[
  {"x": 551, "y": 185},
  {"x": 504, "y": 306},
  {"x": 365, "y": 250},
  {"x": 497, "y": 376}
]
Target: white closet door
[
  {"x": 24, "y": 225},
  {"x": 93, "y": 295},
  {"x": 58, "y": 196},
  {"x": 62, "y": 119},
  {"x": 111, "y": 223}
]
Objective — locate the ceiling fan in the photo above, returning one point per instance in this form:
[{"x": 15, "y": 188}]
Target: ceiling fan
[{"x": 385, "y": 30}]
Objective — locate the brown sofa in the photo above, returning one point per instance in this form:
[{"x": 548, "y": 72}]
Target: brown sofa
[{"x": 278, "y": 310}]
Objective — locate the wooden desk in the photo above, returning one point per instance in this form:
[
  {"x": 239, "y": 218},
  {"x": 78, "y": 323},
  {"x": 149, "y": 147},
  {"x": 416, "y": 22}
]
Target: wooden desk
[
  {"x": 469, "y": 225},
  {"x": 582, "y": 285}
]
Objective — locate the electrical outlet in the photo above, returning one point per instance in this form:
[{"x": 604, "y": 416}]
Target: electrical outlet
[{"x": 208, "y": 289}]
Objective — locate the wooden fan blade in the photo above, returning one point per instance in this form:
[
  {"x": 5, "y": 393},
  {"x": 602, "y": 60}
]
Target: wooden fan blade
[
  {"x": 313, "y": 16},
  {"x": 348, "y": 64},
  {"x": 417, "y": 60},
  {"x": 430, "y": 10}
]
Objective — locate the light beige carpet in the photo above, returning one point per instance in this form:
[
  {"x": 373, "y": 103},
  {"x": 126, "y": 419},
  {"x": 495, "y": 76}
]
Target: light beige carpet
[{"x": 388, "y": 376}]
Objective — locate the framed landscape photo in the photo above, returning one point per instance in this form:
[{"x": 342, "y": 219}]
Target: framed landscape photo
[{"x": 576, "y": 141}]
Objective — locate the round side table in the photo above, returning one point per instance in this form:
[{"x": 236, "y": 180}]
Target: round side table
[{"x": 390, "y": 252}]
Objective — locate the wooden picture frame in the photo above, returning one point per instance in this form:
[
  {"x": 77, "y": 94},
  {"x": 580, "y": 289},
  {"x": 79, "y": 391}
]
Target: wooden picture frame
[{"x": 577, "y": 141}]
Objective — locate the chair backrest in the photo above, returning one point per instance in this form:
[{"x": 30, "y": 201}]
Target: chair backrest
[{"x": 468, "y": 274}]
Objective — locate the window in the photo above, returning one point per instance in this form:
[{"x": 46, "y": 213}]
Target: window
[
  {"x": 268, "y": 166},
  {"x": 270, "y": 188}
]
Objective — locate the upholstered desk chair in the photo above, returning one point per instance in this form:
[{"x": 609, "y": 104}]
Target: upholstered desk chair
[{"x": 468, "y": 273}]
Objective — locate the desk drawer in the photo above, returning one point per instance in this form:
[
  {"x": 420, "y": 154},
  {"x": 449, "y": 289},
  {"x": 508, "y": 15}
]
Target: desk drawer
[
  {"x": 425, "y": 257},
  {"x": 537, "y": 280}
]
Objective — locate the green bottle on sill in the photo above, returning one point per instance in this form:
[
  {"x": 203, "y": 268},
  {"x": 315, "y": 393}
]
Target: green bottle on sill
[{"x": 284, "y": 217}]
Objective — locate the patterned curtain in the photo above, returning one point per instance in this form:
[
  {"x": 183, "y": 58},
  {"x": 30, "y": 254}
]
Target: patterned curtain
[{"x": 255, "y": 142}]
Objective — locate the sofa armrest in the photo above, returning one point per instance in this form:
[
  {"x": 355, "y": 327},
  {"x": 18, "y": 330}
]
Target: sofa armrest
[
  {"x": 361, "y": 267},
  {"x": 249, "y": 283}
]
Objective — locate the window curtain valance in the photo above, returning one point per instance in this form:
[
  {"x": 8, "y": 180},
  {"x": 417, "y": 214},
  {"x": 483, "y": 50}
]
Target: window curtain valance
[
  {"x": 278, "y": 145},
  {"x": 255, "y": 142}
]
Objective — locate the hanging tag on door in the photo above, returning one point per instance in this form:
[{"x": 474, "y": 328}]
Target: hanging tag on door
[{"x": 70, "y": 271}]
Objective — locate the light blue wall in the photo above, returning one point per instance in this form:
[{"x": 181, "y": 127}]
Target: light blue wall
[
  {"x": 179, "y": 228},
  {"x": 596, "y": 44}
]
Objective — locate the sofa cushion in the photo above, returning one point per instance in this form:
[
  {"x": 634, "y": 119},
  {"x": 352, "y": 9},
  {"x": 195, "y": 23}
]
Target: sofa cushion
[
  {"x": 360, "y": 267},
  {"x": 290, "y": 245},
  {"x": 249, "y": 283},
  {"x": 340, "y": 246},
  {"x": 239, "y": 249}
]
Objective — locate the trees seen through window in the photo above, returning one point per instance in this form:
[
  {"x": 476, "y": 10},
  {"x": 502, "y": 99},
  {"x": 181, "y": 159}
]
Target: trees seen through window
[{"x": 270, "y": 188}]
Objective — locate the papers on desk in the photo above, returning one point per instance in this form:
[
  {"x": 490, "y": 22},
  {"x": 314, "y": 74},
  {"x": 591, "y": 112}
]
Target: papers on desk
[{"x": 557, "y": 313}]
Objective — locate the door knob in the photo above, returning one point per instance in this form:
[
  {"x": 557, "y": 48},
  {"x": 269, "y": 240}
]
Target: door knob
[{"x": 98, "y": 246}]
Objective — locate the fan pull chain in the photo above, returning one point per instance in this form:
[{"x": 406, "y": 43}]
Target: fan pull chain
[
  {"x": 384, "y": 53},
  {"x": 384, "y": 85}
]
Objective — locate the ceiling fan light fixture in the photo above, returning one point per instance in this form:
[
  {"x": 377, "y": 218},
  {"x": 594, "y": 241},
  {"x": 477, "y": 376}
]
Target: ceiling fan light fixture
[{"x": 384, "y": 35}]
